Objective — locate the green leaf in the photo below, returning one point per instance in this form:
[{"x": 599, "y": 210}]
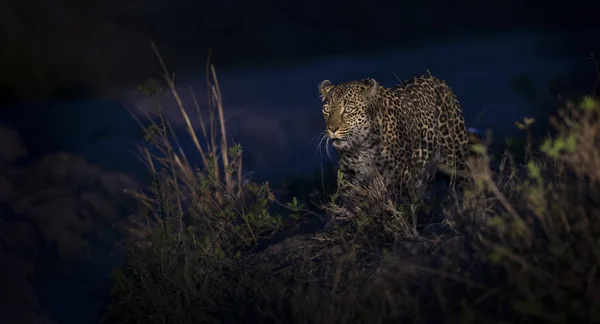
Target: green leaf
[{"x": 588, "y": 103}]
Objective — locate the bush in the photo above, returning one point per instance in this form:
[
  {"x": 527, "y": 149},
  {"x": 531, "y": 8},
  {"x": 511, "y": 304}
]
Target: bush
[{"x": 519, "y": 243}]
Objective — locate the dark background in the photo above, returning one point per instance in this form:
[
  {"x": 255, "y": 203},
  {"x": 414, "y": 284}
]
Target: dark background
[{"x": 59, "y": 48}]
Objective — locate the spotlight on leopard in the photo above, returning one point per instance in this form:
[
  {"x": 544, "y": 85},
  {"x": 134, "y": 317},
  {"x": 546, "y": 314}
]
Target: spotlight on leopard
[{"x": 398, "y": 132}]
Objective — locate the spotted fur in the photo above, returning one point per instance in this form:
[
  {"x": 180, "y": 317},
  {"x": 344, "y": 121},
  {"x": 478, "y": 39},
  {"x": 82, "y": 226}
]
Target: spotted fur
[{"x": 400, "y": 131}]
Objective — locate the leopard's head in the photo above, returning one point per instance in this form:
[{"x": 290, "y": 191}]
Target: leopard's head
[{"x": 346, "y": 110}]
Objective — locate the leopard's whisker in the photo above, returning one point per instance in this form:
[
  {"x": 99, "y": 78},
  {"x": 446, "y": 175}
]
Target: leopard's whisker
[
  {"x": 314, "y": 137},
  {"x": 323, "y": 136},
  {"x": 328, "y": 149}
]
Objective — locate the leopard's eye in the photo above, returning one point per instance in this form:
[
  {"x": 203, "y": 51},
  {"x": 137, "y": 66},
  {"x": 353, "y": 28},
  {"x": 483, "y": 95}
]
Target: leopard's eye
[
  {"x": 349, "y": 108},
  {"x": 325, "y": 109}
]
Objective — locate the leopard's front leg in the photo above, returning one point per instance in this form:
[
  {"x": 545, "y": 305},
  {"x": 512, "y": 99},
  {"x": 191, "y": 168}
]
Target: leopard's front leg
[
  {"x": 346, "y": 183},
  {"x": 418, "y": 181}
]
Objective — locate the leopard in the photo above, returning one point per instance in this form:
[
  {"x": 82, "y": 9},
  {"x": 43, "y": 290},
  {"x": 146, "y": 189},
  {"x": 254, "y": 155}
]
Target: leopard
[{"x": 403, "y": 132}]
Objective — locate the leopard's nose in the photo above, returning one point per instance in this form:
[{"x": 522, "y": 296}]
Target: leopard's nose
[{"x": 333, "y": 129}]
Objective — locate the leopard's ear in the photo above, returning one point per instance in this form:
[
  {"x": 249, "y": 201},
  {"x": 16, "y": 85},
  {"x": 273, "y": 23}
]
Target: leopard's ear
[
  {"x": 371, "y": 89},
  {"x": 324, "y": 88}
]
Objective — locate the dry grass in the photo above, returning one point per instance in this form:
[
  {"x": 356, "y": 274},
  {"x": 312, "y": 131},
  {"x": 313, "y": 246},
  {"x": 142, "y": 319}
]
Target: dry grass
[{"x": 520, "y": 243}]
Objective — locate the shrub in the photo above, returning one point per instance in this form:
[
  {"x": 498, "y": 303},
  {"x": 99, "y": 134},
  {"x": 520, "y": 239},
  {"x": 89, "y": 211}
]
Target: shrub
[{"x": 193, "y": 222}]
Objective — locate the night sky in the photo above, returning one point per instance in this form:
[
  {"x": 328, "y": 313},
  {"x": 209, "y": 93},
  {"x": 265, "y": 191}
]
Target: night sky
[{"x": 67, "y": 68}]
